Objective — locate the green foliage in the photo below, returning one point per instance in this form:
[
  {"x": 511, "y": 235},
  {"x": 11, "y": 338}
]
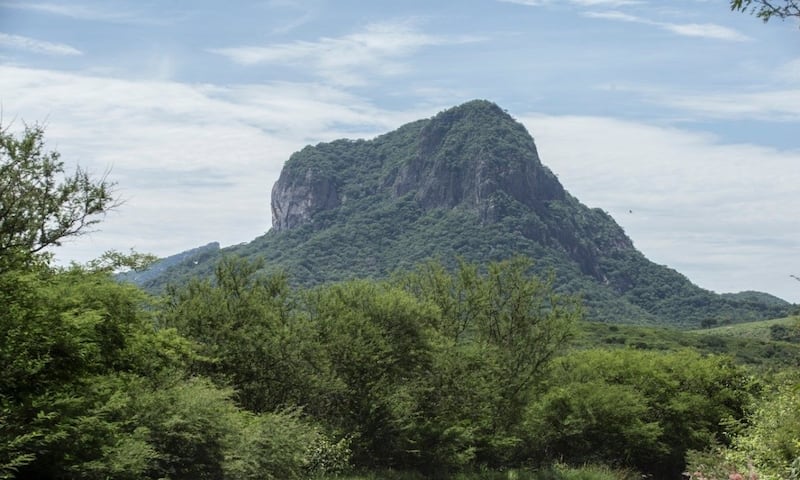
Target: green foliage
[
  {"x": 638, "y": 409},
  {"x": 248, "y": 340},
  {"x": 497, "y": 332},
  {"x": 779, "y": 329},
  {"x": 377, "y": 341},
  {"x": 557, "y": 471},
  {"x": 764, "y": 445},
  {"x": 436, "y": 371},
  {"x": 282, "y": 445},
  {"x": 90, "y": 389},
  {"x": 772, "y": 438},
  {"x": 595, "y": 421},
  {"x": 39, "y": 206},
  {"x": 61, "y": 334},
  {"x": 747, "y": 343},
  {"x": 767, "y": 9}
]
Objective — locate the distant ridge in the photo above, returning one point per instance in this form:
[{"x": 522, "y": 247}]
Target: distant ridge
[
  {"x": 467, "y": 183},
  {"x": 190, "y": 257}
]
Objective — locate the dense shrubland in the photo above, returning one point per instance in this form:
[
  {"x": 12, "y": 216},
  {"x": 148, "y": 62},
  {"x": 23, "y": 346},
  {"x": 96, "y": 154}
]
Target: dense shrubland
[{"x": 435, "y": 371}]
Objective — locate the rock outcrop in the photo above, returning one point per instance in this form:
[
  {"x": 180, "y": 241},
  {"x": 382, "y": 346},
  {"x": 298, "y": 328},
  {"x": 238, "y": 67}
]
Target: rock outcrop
[
  {"x": 466, "y": 156},
  {"x": 297, "y": 197}
]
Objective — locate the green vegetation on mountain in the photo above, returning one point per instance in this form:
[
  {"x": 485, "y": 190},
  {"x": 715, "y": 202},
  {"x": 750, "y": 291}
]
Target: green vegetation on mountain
[{"x": 468, "y": 184}]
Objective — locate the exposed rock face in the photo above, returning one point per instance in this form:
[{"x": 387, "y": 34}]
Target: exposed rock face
[
  {"x": 470, "y": 156},
  {"x": 473, "y": 157},
  {"x": 296, "y": 198}
]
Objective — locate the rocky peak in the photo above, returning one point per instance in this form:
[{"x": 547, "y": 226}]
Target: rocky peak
[
  {"x": 472, "y": 152},
  {"x": 471, "y": 156}
]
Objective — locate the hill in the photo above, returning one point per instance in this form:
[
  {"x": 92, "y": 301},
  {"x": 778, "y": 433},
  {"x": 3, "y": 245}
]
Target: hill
[
  {"x": 467, "y": 183},
  {"x": 779, "y": 330},
  {"x": 764, "y": 350}
]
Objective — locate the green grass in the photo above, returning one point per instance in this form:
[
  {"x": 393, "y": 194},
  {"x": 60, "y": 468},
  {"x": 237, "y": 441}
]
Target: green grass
[
  {"x": 761, "y": 330},
  {"x": 748, "y": 343}
]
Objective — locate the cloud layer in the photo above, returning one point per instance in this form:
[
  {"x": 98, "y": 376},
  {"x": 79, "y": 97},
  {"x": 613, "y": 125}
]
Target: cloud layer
[
  {"x": 377, "y": 49},
  {"x": 37, "y": 46},
  {"x": 722, "y": 214},
  {"x": 703, "y": 30}
]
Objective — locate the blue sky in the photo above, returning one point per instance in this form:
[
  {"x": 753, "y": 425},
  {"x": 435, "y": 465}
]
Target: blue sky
[{"x": 679, "y": 118}]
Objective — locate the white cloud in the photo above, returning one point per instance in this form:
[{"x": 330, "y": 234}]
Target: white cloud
[
  {"x": 80, "y": 11},
  {"x": 789, "y": 72},
  {"x": 195, "y": 163},
  {"x": 722, "y": 214},
  {"x": 301, "y": 14},
  {"x": 771, "y": 102},
  {"x": 37, "y": 46},
  {"x": 774, "y": 101},
  {"x": 704, "y": 30},
  {"x": 345, "y": 60},
  {"x": 614, "y": 15},
  {"x": 769, "y": 105}
]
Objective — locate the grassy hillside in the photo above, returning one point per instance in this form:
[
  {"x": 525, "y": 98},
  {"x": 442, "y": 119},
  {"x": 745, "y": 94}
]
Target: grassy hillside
[
  {"x": 779, "y": 329},
  {"x": 749, "y": 343}
]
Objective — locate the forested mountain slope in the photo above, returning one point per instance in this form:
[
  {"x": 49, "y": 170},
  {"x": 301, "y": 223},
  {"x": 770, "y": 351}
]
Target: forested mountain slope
[{"x": 467, "y": 183}]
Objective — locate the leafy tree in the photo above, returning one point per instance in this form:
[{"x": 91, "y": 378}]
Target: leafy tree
[
  {"x": 594, "y": 422},
  {"x": 672, "y": 403},
  {"x": 251, "y": 336},
  {"x": 767, "y": 9},
  {"x": 772, "y": 438},
  {"x": 61, "y": 335},
  {"x": 40, "y": 206},
  {"x": 377, "y": 343},
  {"x": 517, "y": 317},
  {"x": 498, "y": 332},
  {"x": 89, "y": 387}
]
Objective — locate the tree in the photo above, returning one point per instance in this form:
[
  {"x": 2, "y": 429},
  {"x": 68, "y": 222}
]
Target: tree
[
  {"x": 242, "y": 322},
  {"x": 499, "y": 332},
  {"x": 766, "y": 9},
  {"x": 635, "y": 408},
  {"x": 377, "y": 343},
  {"x": 39, "y": 204}
]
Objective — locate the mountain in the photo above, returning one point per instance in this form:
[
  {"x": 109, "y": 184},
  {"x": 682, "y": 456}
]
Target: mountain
[
  {"x": 159, "y": 269},
  {"x": 758, "y": 298},
  {"x": 467, "y": 183}
]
